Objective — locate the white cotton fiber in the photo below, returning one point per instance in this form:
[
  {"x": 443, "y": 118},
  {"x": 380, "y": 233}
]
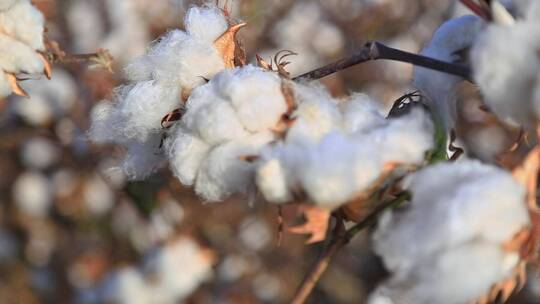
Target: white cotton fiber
[
  {"x": 316, "y": 115},
  {"x": 454, "y": 36},
  {"x": 226, "y": 172},
  {"x": 5, "y": 88},
  {"x": 205, "y": 23},
  {"x": 447, "y": 245},
  {"x": 507, "y": 72},
  {"x": 6, "y": 4},
  {"x": 142, "y": 159},
  {"x": 16, "y": 57},
  {"x": 360, "y": 113},
  {"x": 24, "y": 22},
  {"x": 256, "y": 96},
  {"x": 272, "y": 182},
  {"x": 186, "y": 153}
]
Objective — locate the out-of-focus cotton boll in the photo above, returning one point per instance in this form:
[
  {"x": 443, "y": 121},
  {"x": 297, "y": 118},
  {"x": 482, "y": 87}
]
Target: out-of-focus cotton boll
[
  {"x": 129, "y": 35},
  {"x": 24, "y": 22},
  {"x": 450, "y": 229},
  {"x": 267, "y": 287},
  {"x": 225, "y": 172},
  {"x": 98, "y": 196},
  {"x": 254, "y": 233},
  {"x": 452, "y": 37},
  {"x": 86, "y": 25},
  {"x": 508, "y": 76},
  {"x": 39, "y": 153},
  {"x": 186, "y": 153},
  {"x": 126, "y": 286},
  {"x": 32, "y": 193},
  {"x": 177, "y": 269},
  {"x": 49, "y": 99},
  {"x": 329, "y": 39}
]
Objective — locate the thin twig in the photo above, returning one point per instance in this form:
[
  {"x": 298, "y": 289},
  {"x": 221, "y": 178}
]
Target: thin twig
[
  {"x": 339, "y": 240},
  {"x": 374, "y": 50}
]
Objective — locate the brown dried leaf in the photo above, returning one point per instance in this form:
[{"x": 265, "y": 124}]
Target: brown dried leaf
[
  {"x": 227, "y": 45},
  {"x": 316, "y": 224},
  {"x": 15, "y": 87},
  {"x": 48, "y": 68},
  {"x": 168, "y": 120}
]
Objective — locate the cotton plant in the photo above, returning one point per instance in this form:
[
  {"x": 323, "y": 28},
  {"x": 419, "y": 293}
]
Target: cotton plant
[
  {"x": 230, "y": 129},
  {"x": 22, "y": 45}
]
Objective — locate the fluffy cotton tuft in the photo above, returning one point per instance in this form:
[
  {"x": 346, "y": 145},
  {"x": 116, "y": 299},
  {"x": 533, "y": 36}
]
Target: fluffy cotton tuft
[
  {"x": 454, "y": 36},
  {"x": 172, "y": 68},
  {"x": 447, "y": 245},
  {"x": 507, "y": 72},
  {"x": 344, "y": 164}
]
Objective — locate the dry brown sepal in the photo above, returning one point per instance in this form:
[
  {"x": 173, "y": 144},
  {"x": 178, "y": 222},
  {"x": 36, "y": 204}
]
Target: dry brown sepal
[
  {"x": 14, "y": 84},
  {"x": 229, "y": 47},
  {"x": 316, "y": 223}
]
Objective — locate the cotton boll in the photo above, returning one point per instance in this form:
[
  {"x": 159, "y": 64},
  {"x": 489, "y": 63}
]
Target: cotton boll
[
  {"x": 24, "y": 22},
  {"x": 126, "y": 286},
  {"x": 224, "y": 172},
  {"x": 39, "y": 153},
  {"x": 256, "y": 96},
  {"x": 205, "y": 23},
  {"x": 186, "y": 152},
  {"x": 507, "y": 77},
  {"x": 18, "y": 57},
  {"x": 451, "y": 228},
  {"x": 328, "y": 39},
  {"x": 6, "y": 4},
  {"x": 178, "y": 268},
  {"x": 98, "y": 196},
  {"x": 316, "y": 115},
  {"x": 360, "y": 113},
  {"x": 32, "y": 194},
  {"x": 452, "y": 37}
]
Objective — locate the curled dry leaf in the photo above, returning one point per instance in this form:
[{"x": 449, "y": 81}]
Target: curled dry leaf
[
  {"x": 263, "y": 63},
  {"x": 15, "y": 87},
  {"x": 316, "y": 224},
  {"x": 229, "y": 48}
]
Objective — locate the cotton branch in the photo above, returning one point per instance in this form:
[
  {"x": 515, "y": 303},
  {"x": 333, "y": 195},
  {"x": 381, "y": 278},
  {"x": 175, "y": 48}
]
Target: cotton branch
[
  {"x": 374, "y": 50},
  {"x": 340, "y": 238}
]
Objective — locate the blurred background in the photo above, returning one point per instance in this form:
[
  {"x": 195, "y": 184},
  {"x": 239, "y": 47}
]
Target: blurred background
[{"x": 73, "y": 230}]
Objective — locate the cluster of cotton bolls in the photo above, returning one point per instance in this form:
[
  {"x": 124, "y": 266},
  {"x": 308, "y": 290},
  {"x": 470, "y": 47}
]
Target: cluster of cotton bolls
[
  {"x": 21, "y": 41},
  {"x": 335, "y": 152},
  {"x": 507, "y": 69},
  {"x": 175, "y": 65},
  {"x": 168, "y": 275},
  {"x": 448, "y": 244}
]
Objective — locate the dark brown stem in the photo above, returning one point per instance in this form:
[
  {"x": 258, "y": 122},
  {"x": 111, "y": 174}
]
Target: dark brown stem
[
  {"x": 374, "y": 50},
  {"x": 477, "y": 9},
  {"x": 340, "y": 238}
]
